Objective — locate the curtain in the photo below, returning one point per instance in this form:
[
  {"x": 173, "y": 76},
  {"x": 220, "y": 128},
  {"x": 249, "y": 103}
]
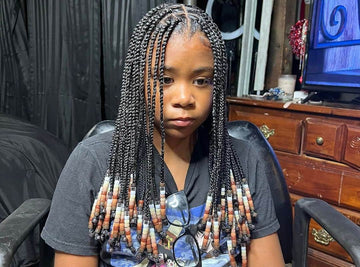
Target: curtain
[{"x": 61, "y": 60}]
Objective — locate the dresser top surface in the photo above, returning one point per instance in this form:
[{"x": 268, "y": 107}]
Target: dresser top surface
[{"x": 335, "y": 109}]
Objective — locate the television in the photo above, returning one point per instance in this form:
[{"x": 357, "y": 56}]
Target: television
[{"x": 332, "y": 59}]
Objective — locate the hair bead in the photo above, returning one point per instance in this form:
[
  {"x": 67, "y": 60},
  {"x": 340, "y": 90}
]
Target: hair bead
[
  {"x": 115, "y": 195},
  {"x": 206, "y": 234},
  {"x": 155, "y": 251},
  {"x": 148, "y": 242},
  {"x": 216, "y": 230},
  {"x": 144, "y": 236},
  {"x": 207, "y": 208},
  {"x": 132, "y": 200},
  {"x": 116, "y": 224},
  {"x": 106, "y": 224},
  {"x": 233, "y": 234},
  {"x": 231, "y": 252},
  {"x": 230, "y": 207},
  {"x": 243, "y": 255},
  {"x": 122, "y": 220},
  {"x": 162, "y": 201}
]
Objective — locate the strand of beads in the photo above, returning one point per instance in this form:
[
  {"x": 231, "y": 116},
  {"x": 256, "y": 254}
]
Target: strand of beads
[
  {"x": 99, "y": 210},
  {"x": 147, "y": 228},
  {"x": 207, "y": 233},
  {"x": 132, "y": 208},
  {"x": 162, "y": 203},
  {"x": 144, "y": 238}
]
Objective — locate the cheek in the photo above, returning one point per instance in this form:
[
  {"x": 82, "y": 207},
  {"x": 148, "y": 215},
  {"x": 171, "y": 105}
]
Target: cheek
[{"x": 207, "y": 101}]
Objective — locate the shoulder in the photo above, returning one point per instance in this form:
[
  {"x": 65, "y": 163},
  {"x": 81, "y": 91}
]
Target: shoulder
[
  {"x": 97, "y": 146},
  {"x": 88, "y": 159},
  {"x": 97, "y": 140}
]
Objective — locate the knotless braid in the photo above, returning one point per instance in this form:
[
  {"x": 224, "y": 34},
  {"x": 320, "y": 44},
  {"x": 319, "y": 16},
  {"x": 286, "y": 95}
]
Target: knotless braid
[
  {"x": 128, "y": 197},
  {"x": 162, "y": 42},
  {"x": 218, "y": 102}
]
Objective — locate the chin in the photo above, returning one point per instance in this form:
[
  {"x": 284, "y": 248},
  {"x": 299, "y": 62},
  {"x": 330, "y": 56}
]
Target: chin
[{"x": 179, "y": 134}]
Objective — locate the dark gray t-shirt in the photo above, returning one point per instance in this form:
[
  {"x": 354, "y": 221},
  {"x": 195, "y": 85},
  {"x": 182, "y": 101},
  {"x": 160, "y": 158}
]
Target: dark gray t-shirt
[{"x": 66, "y": 227}]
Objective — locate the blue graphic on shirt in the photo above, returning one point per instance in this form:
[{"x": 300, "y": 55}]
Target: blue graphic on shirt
[{"x": 123, "y": 257}]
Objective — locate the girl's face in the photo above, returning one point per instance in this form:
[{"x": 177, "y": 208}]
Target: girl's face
[{"x": 188, "y": 75}]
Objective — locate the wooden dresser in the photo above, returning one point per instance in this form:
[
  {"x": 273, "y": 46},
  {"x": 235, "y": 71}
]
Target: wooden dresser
[{"x": 318, "y": 147}]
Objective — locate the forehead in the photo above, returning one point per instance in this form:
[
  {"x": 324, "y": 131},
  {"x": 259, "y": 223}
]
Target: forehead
[
  {"x": 186, "y": 51},
  {"x": 194, "y": 49},
  {"x": 198, "y": 38}
]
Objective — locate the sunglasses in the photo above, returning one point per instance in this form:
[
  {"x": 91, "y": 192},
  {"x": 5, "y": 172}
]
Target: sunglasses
[{"x": 185, "y": 250}]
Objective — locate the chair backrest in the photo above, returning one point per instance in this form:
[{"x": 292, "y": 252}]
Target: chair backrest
[
  {"x": 100, "y": 127},
  {"x": 245, "y": 130}
]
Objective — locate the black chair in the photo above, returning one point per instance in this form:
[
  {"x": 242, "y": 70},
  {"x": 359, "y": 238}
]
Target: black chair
[
  {"x": 100, "y": 127},
  {"x": 19, "y": 225},
  {"x": 31, "y": 160},
  {"x": 341, "y": 228},
  {"x": 344, "y": 231}
]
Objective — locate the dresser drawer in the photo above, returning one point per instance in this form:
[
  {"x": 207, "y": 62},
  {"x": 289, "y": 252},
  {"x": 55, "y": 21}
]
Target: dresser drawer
[
  {"x": 324, "y": 138},
  {"x": 350, "y": 193},
  {"x": 352, "y": 146},
  {"x": 321, "y": 240},
  {"x": 285, "y": 133},
  {"x": 309, "y": 176},
  {"x": 317, "y": 258}
]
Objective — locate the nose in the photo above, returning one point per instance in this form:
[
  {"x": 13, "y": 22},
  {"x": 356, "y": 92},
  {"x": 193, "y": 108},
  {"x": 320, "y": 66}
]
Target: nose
[{"x": 183, "y": 96}]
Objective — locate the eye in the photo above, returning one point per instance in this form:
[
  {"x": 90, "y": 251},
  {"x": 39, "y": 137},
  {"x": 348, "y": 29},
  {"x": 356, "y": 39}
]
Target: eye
[
  {"x": 203, "y": 81},
  {"x": 168, "y": 80}
]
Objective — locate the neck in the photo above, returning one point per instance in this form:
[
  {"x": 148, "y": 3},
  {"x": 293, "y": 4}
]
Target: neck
[{"x": 175, "y": 148}]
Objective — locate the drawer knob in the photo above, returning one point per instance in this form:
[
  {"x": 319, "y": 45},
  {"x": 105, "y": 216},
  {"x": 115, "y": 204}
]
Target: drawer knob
[
  {"x": 319, "y": 140},
  {"x": 355, "y": 142},
  {"x": 322, "y": 237},
  {"x": 267, "y": 132}
]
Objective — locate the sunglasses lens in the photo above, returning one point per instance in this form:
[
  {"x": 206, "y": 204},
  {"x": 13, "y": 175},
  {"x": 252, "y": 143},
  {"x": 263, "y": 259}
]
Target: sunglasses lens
[
  {"x": 186, "y": 251},
  {"x": 177, "y": 209}
]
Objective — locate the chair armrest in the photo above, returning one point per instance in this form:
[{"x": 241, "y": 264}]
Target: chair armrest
[
  {"x": 344, "y": 231},
  {"x": 17, "y": 226}
]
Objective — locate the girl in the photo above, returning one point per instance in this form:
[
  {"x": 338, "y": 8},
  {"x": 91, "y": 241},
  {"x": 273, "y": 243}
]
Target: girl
[{"x": 174, "y": 187}]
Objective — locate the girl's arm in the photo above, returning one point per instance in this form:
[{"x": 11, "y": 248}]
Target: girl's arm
[
  {"x": 68, "y": 260},
  {"x": 265, "y": 251}
]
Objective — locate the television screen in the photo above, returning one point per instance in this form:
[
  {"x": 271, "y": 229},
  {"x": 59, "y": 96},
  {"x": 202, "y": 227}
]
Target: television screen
[{"x": 332, "y": 61}]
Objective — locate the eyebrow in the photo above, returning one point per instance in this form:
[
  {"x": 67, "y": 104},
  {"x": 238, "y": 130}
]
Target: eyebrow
[{"x": 195, "y": 71}]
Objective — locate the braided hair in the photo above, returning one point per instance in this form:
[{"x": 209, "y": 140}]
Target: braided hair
[{"x": 128, "y": 196}]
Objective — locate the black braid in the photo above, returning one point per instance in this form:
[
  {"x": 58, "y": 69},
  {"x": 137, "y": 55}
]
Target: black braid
[{"x": 165, "y": 39}]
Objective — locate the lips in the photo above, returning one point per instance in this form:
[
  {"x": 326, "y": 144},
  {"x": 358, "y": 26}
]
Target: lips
[{"x": 181, "y": 122}]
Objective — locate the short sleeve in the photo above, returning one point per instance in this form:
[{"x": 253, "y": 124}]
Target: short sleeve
[
  {"x": 66, "y": 226},
  {"x": 266, "y": 222}
]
